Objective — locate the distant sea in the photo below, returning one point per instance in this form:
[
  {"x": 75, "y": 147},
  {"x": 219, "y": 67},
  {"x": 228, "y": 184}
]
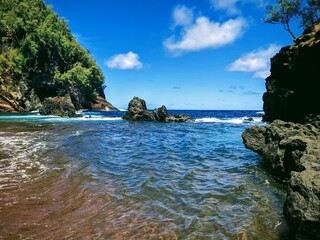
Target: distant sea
[{"x": 100, "y": 177}]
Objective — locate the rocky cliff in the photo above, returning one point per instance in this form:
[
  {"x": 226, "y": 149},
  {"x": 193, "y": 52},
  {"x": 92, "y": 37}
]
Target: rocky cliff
[
  {"x": 22, "y": 97},
  {"x": 293, "y": 86},
  {"x": 42, "y": 63},
  {"x": 290, "y": 145}
]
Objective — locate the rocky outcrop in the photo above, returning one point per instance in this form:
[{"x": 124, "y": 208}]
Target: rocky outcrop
[
  {"x": 21, "y": 97},
  {"x": 63, "y": 106},
  {"x": 137, "y": 111},
  {"x": 285, "y": 146},
  {"x": 290, "y": 149},
  {"x": 293, "y": 86},
  {"x": 18, "y": 97},
  {"x": 58, "y": 106},
  {"x": 101, "y": 104},
  {"x": 302, "y": 205},
  {"x": 291, "y": 152}
]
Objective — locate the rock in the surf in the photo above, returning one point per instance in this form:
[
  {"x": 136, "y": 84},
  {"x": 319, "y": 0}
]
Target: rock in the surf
[{"x": 137, "y": 111}]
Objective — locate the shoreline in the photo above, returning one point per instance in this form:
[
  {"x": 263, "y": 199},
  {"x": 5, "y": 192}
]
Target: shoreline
[{"x": 146, "y": 188}]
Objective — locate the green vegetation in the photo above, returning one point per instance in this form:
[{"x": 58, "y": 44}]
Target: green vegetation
[
  {"x": 286, "y": 11},
  {"x": 39, "y": 53}
]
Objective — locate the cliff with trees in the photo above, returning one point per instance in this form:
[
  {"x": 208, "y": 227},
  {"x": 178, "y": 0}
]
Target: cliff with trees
[{"x": 41, "y": 62}]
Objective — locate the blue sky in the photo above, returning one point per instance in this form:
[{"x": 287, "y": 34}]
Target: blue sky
[{"x": 187, "y": 54}]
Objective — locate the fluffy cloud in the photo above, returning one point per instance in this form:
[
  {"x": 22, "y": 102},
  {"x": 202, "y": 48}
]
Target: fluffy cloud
[
  {"x": 182, "y": 16},
  {"x": 257, "y": 61},
  {"x": 124, "y": 61},
  {"x": 201, "y": 33}
]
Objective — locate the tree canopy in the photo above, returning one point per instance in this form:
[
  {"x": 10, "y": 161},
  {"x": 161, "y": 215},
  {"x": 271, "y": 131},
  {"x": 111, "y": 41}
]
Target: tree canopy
[
  {"x": 37, "y": 46},
  {"x": 307, "y": 12}
]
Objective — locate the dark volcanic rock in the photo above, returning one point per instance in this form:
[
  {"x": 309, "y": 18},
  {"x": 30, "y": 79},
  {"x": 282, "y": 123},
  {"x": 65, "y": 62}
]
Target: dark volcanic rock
[
  {"x": 291, "y": 151},
  {"x": 285, "y": 147},
  {"x": 249, "y": 119},
  {"x": 302, "y": 206},
  {"x": 101, "y": 104},
  {"x": 161, "y": 114},
  {"x": 137, "y": 111},
  {"x": 293, "y": 86},
  {"x": 58, "y": 106},
  {"x": 179, "y": 118}
]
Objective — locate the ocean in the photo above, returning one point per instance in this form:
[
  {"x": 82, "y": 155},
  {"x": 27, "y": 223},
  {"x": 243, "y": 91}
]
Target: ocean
[{"x": 100, "y": 177}]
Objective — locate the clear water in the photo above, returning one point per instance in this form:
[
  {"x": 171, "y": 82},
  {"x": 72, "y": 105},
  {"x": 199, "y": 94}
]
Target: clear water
[{"x": 100, "y": 177}]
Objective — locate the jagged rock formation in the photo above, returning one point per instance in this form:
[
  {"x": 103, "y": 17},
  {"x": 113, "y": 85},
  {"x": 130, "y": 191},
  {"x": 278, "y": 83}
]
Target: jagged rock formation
[
  {"x": 293, "y": 86},
  {"x": 291, "y": 150},
  {"x": 137, "y": 111}
]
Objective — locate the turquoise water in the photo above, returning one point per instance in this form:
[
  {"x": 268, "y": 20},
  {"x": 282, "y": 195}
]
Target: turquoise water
[{"x": 100, "y": 177}]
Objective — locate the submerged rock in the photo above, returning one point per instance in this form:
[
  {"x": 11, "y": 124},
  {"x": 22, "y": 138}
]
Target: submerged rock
[
  {"x": 179, "y": 118},
  {"x": 249, "y": 119},
  {"x": 137, "y": 111}
]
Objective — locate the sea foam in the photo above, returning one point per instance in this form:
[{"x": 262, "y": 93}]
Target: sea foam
[{"x": 229, "y": 120}]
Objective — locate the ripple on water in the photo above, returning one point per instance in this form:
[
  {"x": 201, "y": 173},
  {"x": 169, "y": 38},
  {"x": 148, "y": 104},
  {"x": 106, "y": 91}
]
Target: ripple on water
[{"x": 121, "y": 180}]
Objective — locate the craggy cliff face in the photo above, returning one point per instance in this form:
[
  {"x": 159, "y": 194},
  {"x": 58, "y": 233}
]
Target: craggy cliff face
[
  {"x": 294, "y": 84},
  {"x": 290, "y": 149}
]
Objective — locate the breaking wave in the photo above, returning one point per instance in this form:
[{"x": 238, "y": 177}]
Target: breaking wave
[{"x": 228, "y": 120}]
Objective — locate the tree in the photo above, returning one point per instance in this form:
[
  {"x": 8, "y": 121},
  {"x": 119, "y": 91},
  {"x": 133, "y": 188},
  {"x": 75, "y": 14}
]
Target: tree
[
  {"x": 307, "y": 12},
  {"x": 283, "y": 13},
  {"x": 38, "y": 49},
  {"x": 310, "y": 13}
]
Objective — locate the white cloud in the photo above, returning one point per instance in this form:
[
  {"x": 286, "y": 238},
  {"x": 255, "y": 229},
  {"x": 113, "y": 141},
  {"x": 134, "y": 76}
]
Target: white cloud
[
  {"x": 124, "y": 61},
  {"x": 182, "y": 16},
  {"x": 202, "y": 33},
  {"x": 227, "y": 5},
  {"x": 233, "y": 7},
  {"x": 257, "y": 61},
  {"x": 261, "y": 74}
]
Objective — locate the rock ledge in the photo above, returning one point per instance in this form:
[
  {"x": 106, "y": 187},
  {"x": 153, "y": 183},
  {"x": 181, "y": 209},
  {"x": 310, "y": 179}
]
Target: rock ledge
[{"x": 291, "y": 152}]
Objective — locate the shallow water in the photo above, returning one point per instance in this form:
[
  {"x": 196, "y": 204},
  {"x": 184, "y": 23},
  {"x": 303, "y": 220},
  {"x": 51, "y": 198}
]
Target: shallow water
[{"x": 103, "y": 178}]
